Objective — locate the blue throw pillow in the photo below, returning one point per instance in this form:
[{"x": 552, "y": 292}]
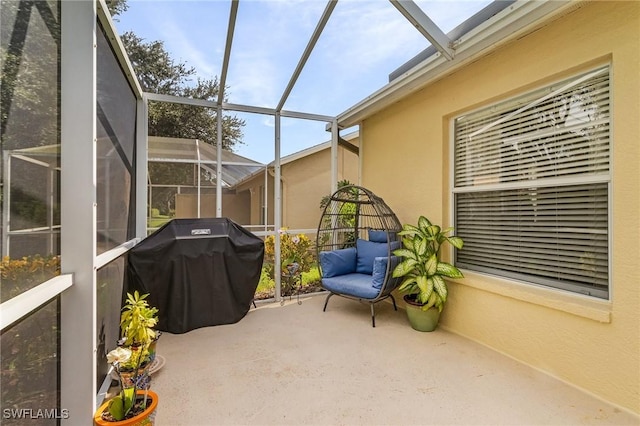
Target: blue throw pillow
[
  {"x": 367, "y": 252},
  {"x": 377, "y": 236},
  {"x": 380, "y": 270},
  {"x": 380, "y": 236},
  {"x": 338, "y": 262}
]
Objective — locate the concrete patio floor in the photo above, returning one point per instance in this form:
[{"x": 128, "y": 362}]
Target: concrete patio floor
[{"x": 295, "y": 365}]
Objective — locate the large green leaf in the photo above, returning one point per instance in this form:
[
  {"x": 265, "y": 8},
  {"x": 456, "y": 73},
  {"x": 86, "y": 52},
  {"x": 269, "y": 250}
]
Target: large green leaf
[
  {"x": 409, "y": 230},
  {"x": 431, "y": 266},
  {"x": 423, "y": 223},
  {"x": 408, "y": 284},
  {"x": 446, "y": 230},
  {"x": 116, "y": 407},
  {"x": 129, "y": 399},
  {"x": 431, "y": 301},
  {"x": 440, "y": 287},
  {"x": 420, "y": 246},
  {"x": 404, "y": 268},
  {"x": 405, "y": 253},
  {"x": 433, "y": 230},
  {"x": 439, "y": 304},
  {"x": 449, "y": 270},
  {"x": 456, "y": 242},
  {"x": 424, "y": 284},
  {"x": 408, "y": 243}
]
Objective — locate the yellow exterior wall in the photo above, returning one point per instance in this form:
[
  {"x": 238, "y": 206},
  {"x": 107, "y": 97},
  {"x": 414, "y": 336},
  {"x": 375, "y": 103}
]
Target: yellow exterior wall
[
  {"x": 307, "y": 180},
  {"x": 234, "y": 206},
  {"x": 304, "y": 182},
  {"x": 592, "y": 344}
]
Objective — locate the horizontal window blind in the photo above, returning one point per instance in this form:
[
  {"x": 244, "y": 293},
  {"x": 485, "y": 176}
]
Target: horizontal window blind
[
  {"x": 552, "y": 132},
  {"x": 546, "y": 236},
  {"x": 531, "y": 178}
]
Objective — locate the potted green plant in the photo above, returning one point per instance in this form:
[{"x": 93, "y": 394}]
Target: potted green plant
[
  {"x": 135, "y": 404},
  {"x": 423, "y": 272}
]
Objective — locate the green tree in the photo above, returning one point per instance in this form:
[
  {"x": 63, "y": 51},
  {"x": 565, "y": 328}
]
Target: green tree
[
  {"x": 116, "y": 7},
  {"x": 158, "y": 73}
]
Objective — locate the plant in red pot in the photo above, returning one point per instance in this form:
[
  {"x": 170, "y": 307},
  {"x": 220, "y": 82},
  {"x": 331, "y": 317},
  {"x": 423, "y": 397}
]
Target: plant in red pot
[
  {"x": 424, "y": 273},
  {"x": 134, "y": 404}
]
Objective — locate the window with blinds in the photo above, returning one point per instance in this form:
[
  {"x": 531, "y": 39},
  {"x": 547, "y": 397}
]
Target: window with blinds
[{"x": 531, "y": 186}]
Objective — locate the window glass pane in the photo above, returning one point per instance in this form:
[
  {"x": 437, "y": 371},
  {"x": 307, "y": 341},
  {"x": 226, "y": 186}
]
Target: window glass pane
[
  {"x": 557, "y": 131},
  {"x": 550, "y": 236},
  {"x": 30, "y": 369},
  {"x": 532, "y": 186},
  {"x": 30, "y": 136},
  {"x": 116, "y": 128},
  {"x": 109, "y": 301}
]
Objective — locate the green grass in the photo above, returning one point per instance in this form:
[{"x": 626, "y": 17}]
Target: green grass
[
  {"x": 156, "y": 222},
  {"x": 267, "y": 285}
]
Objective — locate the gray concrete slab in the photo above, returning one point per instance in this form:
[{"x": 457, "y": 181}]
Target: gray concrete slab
[{"x": 296, "y": 365}]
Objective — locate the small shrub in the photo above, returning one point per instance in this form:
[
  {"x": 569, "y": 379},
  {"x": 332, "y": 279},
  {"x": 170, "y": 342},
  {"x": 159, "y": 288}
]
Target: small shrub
[
  {"x": 293, "y": 248},
  {"x": 20, "y": 275}
]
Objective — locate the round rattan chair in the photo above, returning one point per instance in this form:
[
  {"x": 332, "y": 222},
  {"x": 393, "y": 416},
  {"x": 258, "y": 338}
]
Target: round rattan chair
[{"x": 356, "y": 238}]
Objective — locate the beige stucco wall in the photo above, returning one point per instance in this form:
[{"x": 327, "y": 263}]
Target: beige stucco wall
[
  {"x": 234, "y": 206},
  {"x": 304, "y": 182},
  {"x": 307, "y": 180},
  {"x": 592, "y": 344}
]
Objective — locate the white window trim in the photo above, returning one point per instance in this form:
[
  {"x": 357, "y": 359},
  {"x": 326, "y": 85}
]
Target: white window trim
[{"x": 572, "y": 303}]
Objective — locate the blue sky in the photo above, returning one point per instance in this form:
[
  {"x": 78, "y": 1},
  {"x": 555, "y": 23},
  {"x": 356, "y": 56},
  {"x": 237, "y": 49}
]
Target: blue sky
[{"x": 362, "y": 43}]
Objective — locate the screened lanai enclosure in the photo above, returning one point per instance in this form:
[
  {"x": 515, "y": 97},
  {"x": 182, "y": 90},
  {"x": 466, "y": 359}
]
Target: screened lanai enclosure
[
  {"x": 83, "y": 181},
  {"x": 183, "y": 179}
]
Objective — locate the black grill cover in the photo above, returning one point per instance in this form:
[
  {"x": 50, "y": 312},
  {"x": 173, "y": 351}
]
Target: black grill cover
[{"x": 198, "y": 272}]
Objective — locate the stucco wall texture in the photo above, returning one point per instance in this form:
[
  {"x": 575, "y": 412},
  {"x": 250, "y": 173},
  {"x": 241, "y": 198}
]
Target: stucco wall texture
[{"x": 589, "y": 343}]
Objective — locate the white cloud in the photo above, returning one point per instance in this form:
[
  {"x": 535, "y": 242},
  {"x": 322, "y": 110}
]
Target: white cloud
[
  {"x": 362, "y": 43},
  {"x": 187, "y": 51}
]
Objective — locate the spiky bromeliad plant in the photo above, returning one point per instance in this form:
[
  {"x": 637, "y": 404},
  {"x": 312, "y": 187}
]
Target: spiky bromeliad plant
[{"x": 421, "y": 267}]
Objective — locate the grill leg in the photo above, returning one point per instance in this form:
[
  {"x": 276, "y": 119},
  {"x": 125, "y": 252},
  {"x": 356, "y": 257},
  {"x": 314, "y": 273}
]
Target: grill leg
[{"x": 326, "y": 301}]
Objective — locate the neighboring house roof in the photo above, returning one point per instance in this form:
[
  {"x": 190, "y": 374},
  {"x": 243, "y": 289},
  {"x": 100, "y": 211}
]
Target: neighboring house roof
[
  {"x": 235, "y": 168},
  {"x": 481, "y": 34},
  {"x": 312, "y": 150},
  {"x": 298, "y": 155}
]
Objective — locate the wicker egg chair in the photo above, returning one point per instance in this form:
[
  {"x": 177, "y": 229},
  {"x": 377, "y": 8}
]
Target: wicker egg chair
[{"x": 356, "y": 238}]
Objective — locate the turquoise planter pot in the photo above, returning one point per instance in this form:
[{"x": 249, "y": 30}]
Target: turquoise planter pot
[{"x": 421, "y": 320}]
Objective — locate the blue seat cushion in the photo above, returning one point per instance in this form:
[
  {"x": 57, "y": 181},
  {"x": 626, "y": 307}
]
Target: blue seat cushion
[
  {"x": 354, "y": 285},
  {"x": 380, "y": 270},
  {"x": 367, "y": 251},
  {"x": 338, "y": 262}
]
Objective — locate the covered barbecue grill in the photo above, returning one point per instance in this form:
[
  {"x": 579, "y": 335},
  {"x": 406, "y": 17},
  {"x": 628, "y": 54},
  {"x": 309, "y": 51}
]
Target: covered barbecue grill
[{"x": 198, "y": 272}]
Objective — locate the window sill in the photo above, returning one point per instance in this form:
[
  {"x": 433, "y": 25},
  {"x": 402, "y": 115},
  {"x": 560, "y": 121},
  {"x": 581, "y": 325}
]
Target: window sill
[{"x": 575, "y": 304}]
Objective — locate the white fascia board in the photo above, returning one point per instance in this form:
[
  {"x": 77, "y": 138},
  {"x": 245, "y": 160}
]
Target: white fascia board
[
  {"x": 312, "y": 150},
  {"x": 506, "y": 26}
]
